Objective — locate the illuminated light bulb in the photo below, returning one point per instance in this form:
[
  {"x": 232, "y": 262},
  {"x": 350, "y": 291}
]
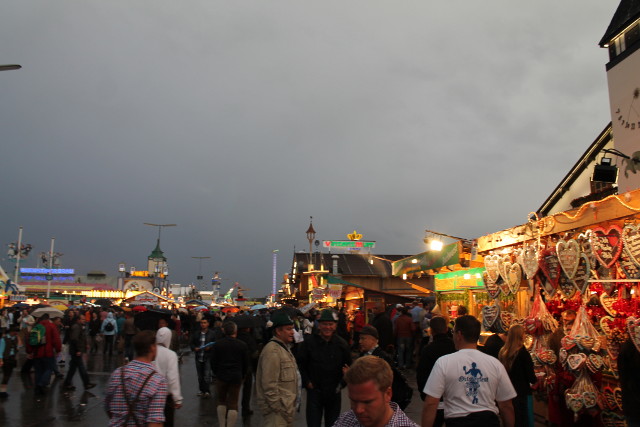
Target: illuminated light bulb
[
  {"x": 478, "y": 276},
  {"x": 413, "y": 261},
  {"x": 436, "y": 245},
  {"x": 467, "y": 276},
  {"x": 404, "y": 276}
]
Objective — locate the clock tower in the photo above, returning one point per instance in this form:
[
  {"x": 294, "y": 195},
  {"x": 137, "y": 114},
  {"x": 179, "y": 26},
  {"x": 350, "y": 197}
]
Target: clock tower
[{"x": 622, "y": 39}]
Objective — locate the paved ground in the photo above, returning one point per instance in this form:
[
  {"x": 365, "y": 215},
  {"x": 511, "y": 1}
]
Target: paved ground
[{"x": 58, "y": 408}]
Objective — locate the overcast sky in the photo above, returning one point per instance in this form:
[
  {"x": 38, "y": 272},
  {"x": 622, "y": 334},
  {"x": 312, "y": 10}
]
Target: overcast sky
[{"x": 237, "y": 120}]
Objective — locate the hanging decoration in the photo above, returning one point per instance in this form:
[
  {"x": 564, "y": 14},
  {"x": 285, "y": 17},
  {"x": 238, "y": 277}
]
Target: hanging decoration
[{"x": 607, "y": 244}]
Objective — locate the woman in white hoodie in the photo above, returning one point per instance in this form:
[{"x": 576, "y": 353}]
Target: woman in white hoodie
[{"x": 166, "y": 364}]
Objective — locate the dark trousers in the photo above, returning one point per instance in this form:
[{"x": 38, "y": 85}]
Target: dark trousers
[
  {"x": 108, "y": 344},
  {"x": 77, "y": 363},
  {"x": 128, "y": 346},
  {"x": 204, "y": 374},
  {"x": 246, "y": 392},
  {"x": 483, "y": 418},
  {"x": 319, "y": 403},
  {"x": 7, "y": 369},
  {"x": 44, "y": 367},
  {"x": 169, "y": 412}
]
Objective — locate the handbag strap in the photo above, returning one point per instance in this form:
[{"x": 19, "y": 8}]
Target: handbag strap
[{"x": 131, "y": 404}]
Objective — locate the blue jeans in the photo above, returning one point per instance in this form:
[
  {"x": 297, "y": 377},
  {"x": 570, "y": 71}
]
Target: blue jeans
[
  {"x": 319, "y": 402},
  {"x": 405, "y": 351},
  {"x": 44, "y": 367},
  {"x": 204, "y": 374}
]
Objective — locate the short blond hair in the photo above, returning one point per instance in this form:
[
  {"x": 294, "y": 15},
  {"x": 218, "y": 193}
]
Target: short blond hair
[{"x": 370, "y": 368}]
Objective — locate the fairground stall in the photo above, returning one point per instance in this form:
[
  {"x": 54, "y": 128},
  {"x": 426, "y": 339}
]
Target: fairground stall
[{"x": 583, "y": 263}]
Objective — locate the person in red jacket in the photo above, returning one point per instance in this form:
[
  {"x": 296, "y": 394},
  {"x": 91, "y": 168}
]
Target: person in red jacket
[
  {"x": 44, "y": 355},
  {"x": 405, "y": 329}
]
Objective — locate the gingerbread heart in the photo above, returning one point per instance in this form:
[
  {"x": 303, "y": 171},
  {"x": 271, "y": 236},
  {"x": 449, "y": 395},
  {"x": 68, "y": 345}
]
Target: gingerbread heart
[
  {"x": 584, "y": 239},
  {"x": 562, "y": 356},
  {"x": 595, "y": 362},
  {"x": 492, "y": 267},
  {"x": 631, "y": 239},
  {"x": 607, "y": 325},
  {"x": 507, "y": 319},
  {"x": 566, "y": 286},
  {"x": 546, "y": 356},
  {"x": 569, "y": 256},
  {"x": 607, "y": 244},
  {"x": 617, "y": 394},
  {"x": 585, "y": 342},
  {"x": 633, "y": 327},
  {"x": 583, "y": 273},
  {"x": 607, "y": 303},
  {"x": 576, "y": 361},
  {"x": 514, "y": 277},
  {"x": 612, "y": 419},
  {"x": 504, "y": 286},
  {"x": 530, "y": 261},
  {"x": 628, "y": 266},
  {"x": 550, "y": 266},
  {"x": 492, "y": 287},
  {"x": 567, "y": 342},
  {"x": 609, "y": 399},
  {"x": 574, "y": 401},
  {"x": 589, "y": 398},
  {"x": 504, "y": 263},
  {"x": 489, "y": 315}
]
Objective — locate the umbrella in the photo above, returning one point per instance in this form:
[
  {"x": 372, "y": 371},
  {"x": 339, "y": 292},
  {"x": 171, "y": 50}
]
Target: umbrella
[
  {"x": 243, "y": 321},
  {"x": 230, "y": 310},
  {"x": 202, "y": 307},
  {"x": 183, "y": 310},
  {"x": 61, "y": 307},
  {"x": 258, "y": 307},
  {"x": 139, "y": 308},
  {"x": 52, "y": 312},
  {"x": 41, "y": 305},
  {"x": 21, "y": 305},
  {"x": 103, "y": 302},
  {"x": 148, "y": 320}
]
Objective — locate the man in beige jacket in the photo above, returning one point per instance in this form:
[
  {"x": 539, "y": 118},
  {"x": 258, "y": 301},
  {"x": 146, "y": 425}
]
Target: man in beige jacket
[{"x": 277, "y": 379}]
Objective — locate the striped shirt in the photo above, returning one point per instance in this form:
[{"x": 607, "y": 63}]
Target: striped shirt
[{"x": 150, "y": 404}]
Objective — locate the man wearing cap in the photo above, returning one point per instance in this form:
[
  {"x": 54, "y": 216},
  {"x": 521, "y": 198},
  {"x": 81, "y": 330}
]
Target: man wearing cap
[
  {"x": 277, "y": 378},
  {"x": 321, "y": 358},
  {"x": 369, "y": 344}
]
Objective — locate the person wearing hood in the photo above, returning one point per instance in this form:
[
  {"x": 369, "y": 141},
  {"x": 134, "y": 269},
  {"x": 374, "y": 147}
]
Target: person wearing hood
[
  {"x": 166, "y": 364},
  {"x": 109, "y": 329}
]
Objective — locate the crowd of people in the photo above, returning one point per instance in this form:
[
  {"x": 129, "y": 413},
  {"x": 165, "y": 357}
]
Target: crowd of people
[{"x": 277, "y": 354}]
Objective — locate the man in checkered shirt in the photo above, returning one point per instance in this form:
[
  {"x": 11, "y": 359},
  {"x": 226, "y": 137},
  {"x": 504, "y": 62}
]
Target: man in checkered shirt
[
  {"x": 137, "y": 393},
  {"x": 369, "y": 382}
]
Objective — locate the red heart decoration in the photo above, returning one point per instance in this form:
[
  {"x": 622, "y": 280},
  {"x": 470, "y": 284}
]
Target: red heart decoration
[
  {"x": 550, "y": 266},
  {"x": 607, "y": 244}
]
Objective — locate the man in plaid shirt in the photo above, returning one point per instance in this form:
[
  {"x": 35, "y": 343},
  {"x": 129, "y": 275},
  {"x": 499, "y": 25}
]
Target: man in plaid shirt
[{"x": 137, "y": 393}]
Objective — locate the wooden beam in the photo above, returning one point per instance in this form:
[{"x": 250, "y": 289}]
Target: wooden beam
[{"x": 612, "y": 208}]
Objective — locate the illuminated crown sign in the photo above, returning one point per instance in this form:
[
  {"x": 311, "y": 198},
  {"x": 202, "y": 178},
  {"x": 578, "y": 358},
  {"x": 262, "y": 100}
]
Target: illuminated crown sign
[{"x": 354, "y": 235}]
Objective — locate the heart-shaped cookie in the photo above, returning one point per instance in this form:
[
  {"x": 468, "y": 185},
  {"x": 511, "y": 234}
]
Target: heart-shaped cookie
[
  {"x": 504, "y": 262},
  {"x": 574, "y": 401},
  {"x": 585, "y": 342},
  {"x": 566, "y": 286},
  {"x": 492, "y": 268},
  {"x": 569, "y": 256},
  {"x": 607, "y": 303},
  {"x": 489, "y": 315},
  {"x": 576, "y": 361},
  {"x": 594, "y": 362},
  {"x": 504, "y": 286},
  {"x": 529, "y": 261},
  {"x": 607, "y": 324},
  {"x": 507, "y": 319},
  {"x": 628, "y": 266},
  {"x": 583, "y": 273},
  {"x": 607, "y": 244},
  {"x": 550, "y": 266},
  {"x": 631, "y": 239},
  {"x": 546, "y": 356},
  {"x": 612, "y": 419},
  {"x": 567, "y": 342},
  {"x": 609, "y": 399},
  {"x": 633, "y": 327},
  {"x": 492, "y": 287},
  {"x": 562, "y": 356},
  {"x": 617, "y": 394},
  {"x": 589, "y": 398},
  {"x": 514, "y": 277}
]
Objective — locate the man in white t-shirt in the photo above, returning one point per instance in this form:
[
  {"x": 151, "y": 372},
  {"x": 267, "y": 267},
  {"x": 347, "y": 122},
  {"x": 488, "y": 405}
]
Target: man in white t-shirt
[{"x": 470, "y": 383}]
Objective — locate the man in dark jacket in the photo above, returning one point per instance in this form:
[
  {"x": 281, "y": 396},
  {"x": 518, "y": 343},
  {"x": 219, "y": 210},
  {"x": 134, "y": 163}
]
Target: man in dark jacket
[
  {"x": 77, "y": 346},
  {"x": 441, "y": 345},
  {"x": 383, "y": 325},
  {"x": 230, "y": 366},
  {"x": 321, "y": 358},
  {"x": 201, "y": 343}
]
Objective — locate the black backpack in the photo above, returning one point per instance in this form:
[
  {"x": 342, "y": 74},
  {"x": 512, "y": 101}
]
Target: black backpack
[
  {"x": 108, "y": 327},
  {"x": 400, "y": 388}
]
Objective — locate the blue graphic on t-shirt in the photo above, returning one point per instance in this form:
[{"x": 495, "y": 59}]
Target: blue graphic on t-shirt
[{"x": 473, "y": 379}]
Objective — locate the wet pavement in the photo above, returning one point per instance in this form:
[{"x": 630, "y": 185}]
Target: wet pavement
[{"x": 23, "y": 408}]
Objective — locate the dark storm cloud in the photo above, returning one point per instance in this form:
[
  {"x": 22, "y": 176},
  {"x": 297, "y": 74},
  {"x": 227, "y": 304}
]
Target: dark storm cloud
[{"x": 239, "y": 120}]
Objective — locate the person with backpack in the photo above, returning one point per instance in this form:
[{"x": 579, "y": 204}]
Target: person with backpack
[
  {"x": 43, "y": 344},
  {"x": 109, "y": 330},
  {"x": 8, "y": 355}
]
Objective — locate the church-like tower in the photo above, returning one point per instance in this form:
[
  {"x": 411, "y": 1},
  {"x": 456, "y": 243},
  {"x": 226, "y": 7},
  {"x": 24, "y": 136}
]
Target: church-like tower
[{"x": 156, "y": 262}]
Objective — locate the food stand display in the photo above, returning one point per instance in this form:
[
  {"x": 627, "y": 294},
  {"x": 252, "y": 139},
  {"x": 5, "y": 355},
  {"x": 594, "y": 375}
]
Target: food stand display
[{"x": 586, "y": 260}]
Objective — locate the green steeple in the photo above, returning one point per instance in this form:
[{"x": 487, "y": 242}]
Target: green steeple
[{"x": 157, "y": 253}]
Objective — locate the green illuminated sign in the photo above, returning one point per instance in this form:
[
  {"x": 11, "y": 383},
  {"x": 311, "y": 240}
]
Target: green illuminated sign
[{"x": 348, "y": 244}]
